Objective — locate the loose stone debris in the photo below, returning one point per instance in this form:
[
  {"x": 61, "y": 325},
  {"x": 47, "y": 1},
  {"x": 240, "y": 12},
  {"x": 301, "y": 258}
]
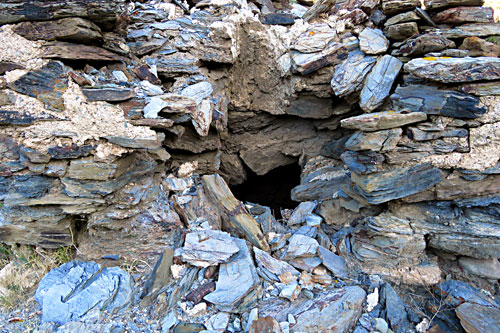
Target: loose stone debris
[{"x": 126, "y": 124}]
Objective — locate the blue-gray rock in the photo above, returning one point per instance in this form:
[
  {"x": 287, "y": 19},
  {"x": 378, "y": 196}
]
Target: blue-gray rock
[
  {"x": 457, "y": 292},
  {"x": 350, "y": 73},
  {"x": 385, "y": 140},
  {"x": 379, "y": 82},
  {"x": 30, "y": 186},
  {"x": 336, "y": 264},
  {"x": 69, "y": 292},
  {"x": 397, "y": 183},
  {"x": 395, "y": 310},
  {"x": 431, "y": 100},
  {"x": 363, "y": 162},
  {"x": 373, "y": 41},
  {"x": 476, "y": 318}
]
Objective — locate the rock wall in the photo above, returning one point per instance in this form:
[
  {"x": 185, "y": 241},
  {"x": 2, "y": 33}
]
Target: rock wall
[{"x": 392, "y": 111}]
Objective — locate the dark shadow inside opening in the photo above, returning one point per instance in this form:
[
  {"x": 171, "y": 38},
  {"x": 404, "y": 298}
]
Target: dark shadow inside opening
[{"x": 271, "y": 190}]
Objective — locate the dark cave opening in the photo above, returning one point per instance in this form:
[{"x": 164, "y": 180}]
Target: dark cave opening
[{"x": 272, "y": 189}]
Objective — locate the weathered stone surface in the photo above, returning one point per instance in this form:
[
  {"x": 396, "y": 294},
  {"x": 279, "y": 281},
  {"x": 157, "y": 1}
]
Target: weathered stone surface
[
  {"x": 159, "y": 278},
  {"x": 205, "y": 248},
  {"x": 47, "y": 84},
  {"x": 402, "y": 18},
  {"x": 478, "y": 47},
  {"x": 469, "y": 30},
  {"x": 87, "y": 168},
  {"x": 336, "y": 264},
  {"x": 431, "y": 100},
  {"x": 481, "y": 88},
  {"x": 6, "y": 66},
  {"x": 300, "y": 246},
  {"x": 487, "y": 268},
  {"x": 474, "y": 233},
  {"x": 272, "y": 268},
  {"x": 109, "y": 94},
  {"x": 424, "y": 44},
  {"x": 462, "y": 15},
  {"x": 434, "y": 4},
  {"x": 350, "y": 73},
  {"x": 458, "y": 292},
  {"x": 420, "y": 135},
  {"x": 375, "y": 141},
  {"x": 312, "y": 107},
  {"x": 305, "y": 63},
  {"x": 221, "y": 196},
  {"x": 387, "y": 240},
  {"x": 398, "y": 183},
  {"x": 396, "y": 314},
  {"x": 315, "y": 39},
  {"x": 100, "y": 11},
  {"x": 72, "y": 151},
  {"x": 71, "y": 51},
  {"x": 378, "y": 83},
  {"x": 382, "y": 120},
  {"x": 278, "y": 19},
  {"x": 68, "y": 292},
  {"x": 236, "y": 279},
  {"x": 401, "y": 31},
  {"x": 301, "y": 211},
  {"x": 363, "y": 162},
  {"x": 267, "y": 324},
  {"x": 73, "y": 29},
  {"x": 331, "y": 310},
  {"x": 169, "y": 103},
  {"x": 396, "y": 6},
  {"x": 174, "y": 64},
  {"x": 373, "y": 41},
  {"x": 475, "y": 318},
  {"x": 19, "y": 118}
]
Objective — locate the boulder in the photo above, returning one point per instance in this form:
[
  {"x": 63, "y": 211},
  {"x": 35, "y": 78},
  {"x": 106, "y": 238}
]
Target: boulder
[{"x": 69, "y": 292}]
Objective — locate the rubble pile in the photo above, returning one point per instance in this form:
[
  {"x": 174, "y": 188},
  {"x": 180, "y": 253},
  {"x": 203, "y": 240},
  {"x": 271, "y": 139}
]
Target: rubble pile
[{"x": 125, "y": 124}]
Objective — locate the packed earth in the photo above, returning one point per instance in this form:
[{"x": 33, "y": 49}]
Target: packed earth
[{"x": 250, "y": 166}]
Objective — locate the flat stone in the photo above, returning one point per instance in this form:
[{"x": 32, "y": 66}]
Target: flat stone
[
  {"x": 424, "y": 44},
  {"x": 201, "y": 118},
  {"x": 301, "y": 211},
  {"x": 481, "y": 88},
  {"x": 153, "y": 123},
  {"x": 137, "y": 143},
  {"x": 305, "y": 63},
  {"x": 476, "y": 318},
  {"x": 487, "y": 268},
  {"x": 68, "y": 292},
  {"x": 71, "y": 51},
  {"x": 336, "y": 264},
  {"x": 184, "y": 327},
  {"x": 73, "y": 29},
  {"x": 458, "y": 292},
  {"x": 87, "y": 168},
  {"x": 378, "y": 83},
  {"x": 431, "y": 100},
  {"x": 402, "y": 18},
  {"x": 460, "y": 15},
  {"x": 385, "y": 140},
  {"x": 7, "y": 66},
  {"x": 401, "y": 31},
  {"x": 20, "y": 118},
  {"x": 420, "y": 135},
  {"x": 363, "y": 162},
  {"x": 273, "y": 267},
  {"x": 307, "y": 264},
  {"x": 350, "y": 73},
  {"x": 46, "y": 84},
  {"x": 382, "y": 120},
  {"x": 196, "y": 296},
  {"x": 35, "y": 156},
  {"x": 373, "y": 41},
  {"x": 277, "y": 19},
  {"x": 315, "y": 39},
  {"x": 100, "y": 11},
  {"x": 169, "y": 103},
  {"x": 435, "y": 4},
  {"x": 70, "y": 151},
  {"x": 391, "y": 7},
  {"x": 236, "y": 279},
  {"x": 205, "y": 248},
  {"x": 395, "y": 184},
  {"x": 300, "y": 246},
  {"x": 174, "y": 65},
  {"x": 478, "y": 47},
  {"x": 469, "y": 30},
  {"x": 396, "y": 312},
  {"x": 159, "y": 278},
  {"x": 109, "y": 94},
  {"x": 198, "y": 91}
]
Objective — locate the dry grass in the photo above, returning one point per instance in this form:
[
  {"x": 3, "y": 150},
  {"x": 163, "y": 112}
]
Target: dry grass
[{"x": 22, "y": 267}]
